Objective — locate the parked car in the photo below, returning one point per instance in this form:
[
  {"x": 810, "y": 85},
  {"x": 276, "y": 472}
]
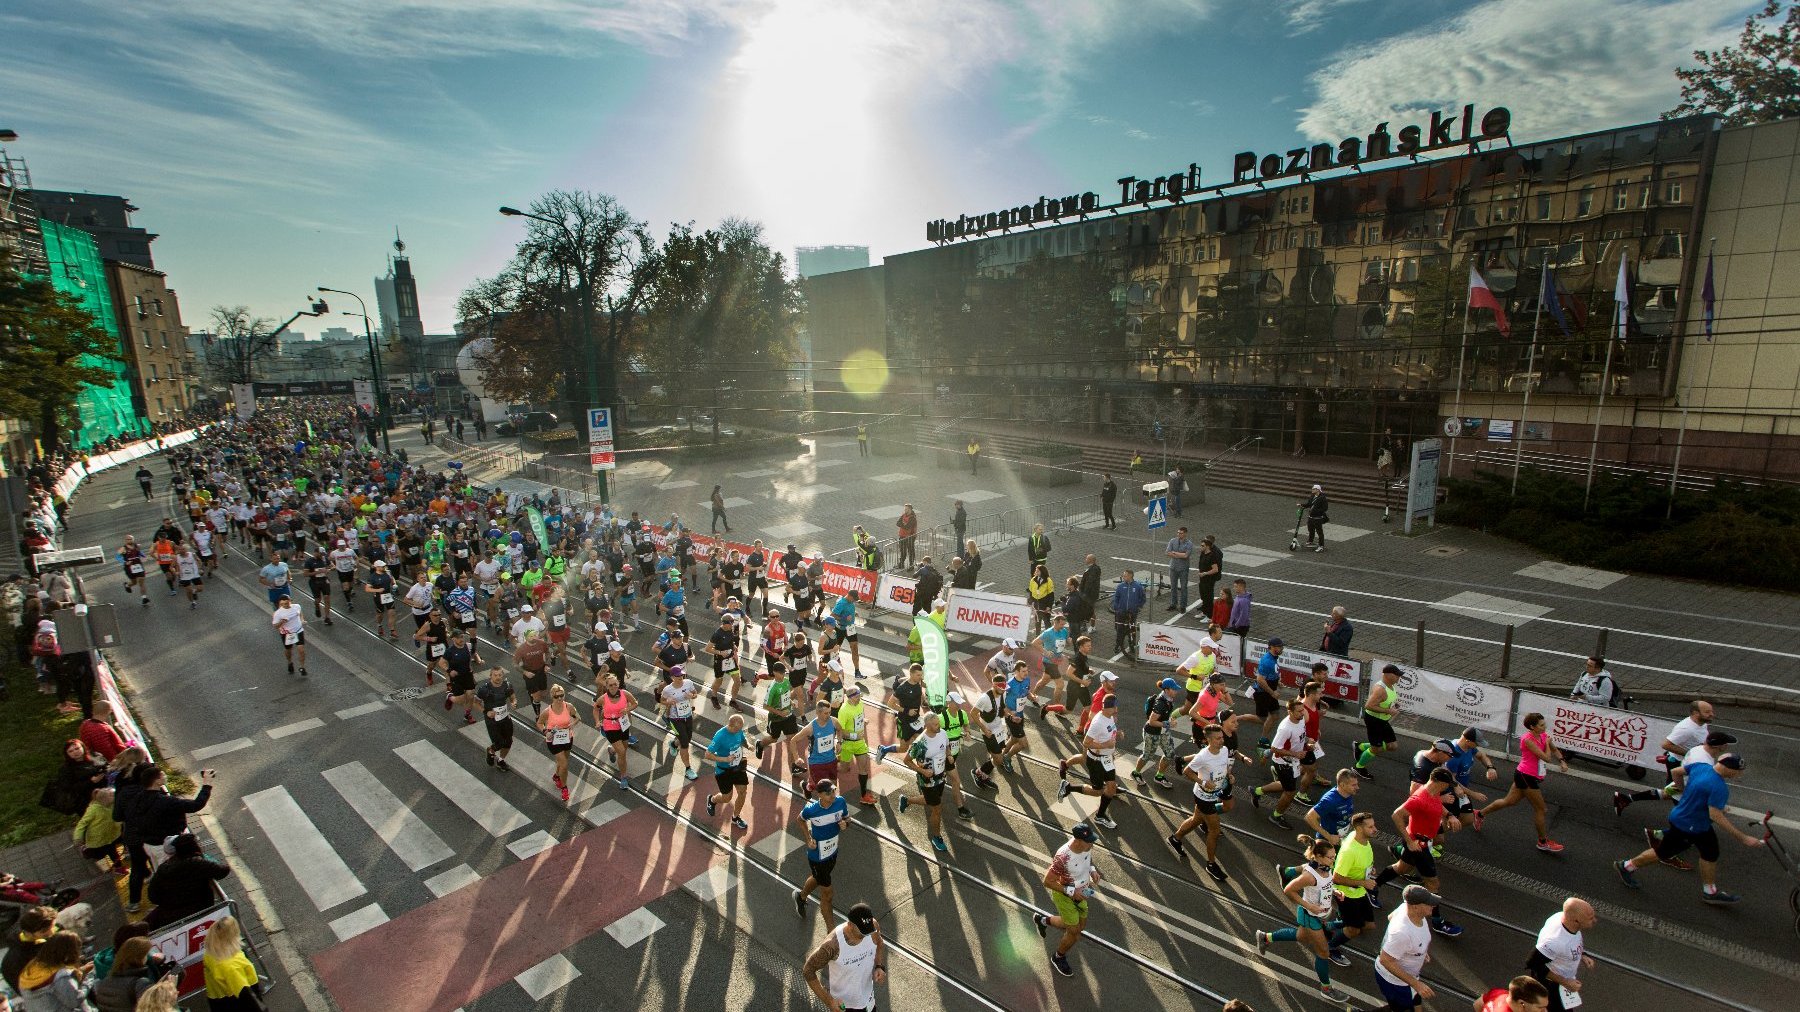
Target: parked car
[{"x": 524, "y": 422}]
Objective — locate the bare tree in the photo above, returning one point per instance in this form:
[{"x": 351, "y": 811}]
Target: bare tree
[
  {"x": 1183, "y": 422},
  {"x": 239, "y": 342}
]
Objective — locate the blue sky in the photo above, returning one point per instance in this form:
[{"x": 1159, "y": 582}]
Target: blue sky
[{"x": 275, "y": 145}]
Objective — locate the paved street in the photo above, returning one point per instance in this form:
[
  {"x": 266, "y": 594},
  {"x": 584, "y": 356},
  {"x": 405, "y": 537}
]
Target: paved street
[{"x": 406, "y": 874}]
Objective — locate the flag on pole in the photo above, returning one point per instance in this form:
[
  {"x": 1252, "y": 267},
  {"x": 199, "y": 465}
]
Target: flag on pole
[
  {"x": 936, "y": 648},
  {"x": 1707, "y": 301},
  {"x": 1553, "y": 297},
  {"x": 1624, "y": 322},
  {"x": 1482, "y": 297}
]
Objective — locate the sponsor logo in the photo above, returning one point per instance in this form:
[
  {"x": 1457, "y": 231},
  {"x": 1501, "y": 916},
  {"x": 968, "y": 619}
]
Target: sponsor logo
[
  {"x": 981, "y": 616},
  {"x": 1470, "y": 694}
]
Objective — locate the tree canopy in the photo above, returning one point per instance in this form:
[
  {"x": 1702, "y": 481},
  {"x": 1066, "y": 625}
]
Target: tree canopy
[
  {"x": 239, "y": 342},
  {"x": 49, "y": 349},
  {"x": 1755, "y": 81}
]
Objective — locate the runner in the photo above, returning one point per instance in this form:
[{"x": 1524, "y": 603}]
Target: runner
[
  {"x": 845, "y": 613},
  {"x": 1356, "y": 886},
  {"x": 1100, "y": 745},
  {"x": 460, "y": 604},
  {"x": 556, "y": 723},
  {"x": 907, "y": 698},
  {"x": 461, "y": 655},
  {"x": 273, "y": 577},
  {"x": 1535, "y": 749},
  {"x": 433, "y": 639},
  {"x": 783, "y": 723},
  {"x": 730, "y": 770},
  {"x": 1696, "y": 744},
  {"x": 677, "y": 702},
  {"x": 612, "y": 714},
  {"x": 291, "y": 627},
  {"x": 206, "y": 544},
  {"x": 1331, "y": 817},
  {"x": 497, "y": 702},
  {"x": 1561, "y": 954},
  {"x": 554, "y": 610},
  {"x": 853, "y": 725},
  {"x": 164, "y": 549},
  {"x": 1314, "y": 899},
  {"x": 343, "y": 559},
  {"x": 723, "y": 646},
  {"x": 821, "y": 735},
  {"x": 1521, "y": 994},
  {"x": 1265, "y": 689},
  {"x": 928, "y": 758},
  {"x": 487, "y": 585},
  {"x": 533, "y": 658},
  {"x": 1378, "y": 720},
  {"x": 990, "y": 709},
  {"x": 1695, "y": 822},
  {"x": 380, "y": 588},
  {"x": 955, "y": 715},
  {"x": 1418, "y": 821},
  {"x": 1209, "y": 770},
  {"x": 187, "y": 572},
  {"x": 1071, "y": 879},
  {"x": 1404, "y": 950},
  {"x": 318, "y": 581},
  {"x": 1286, "y": 749},
  {"x": 824, "y": 817},
  {"x": 1054, "y": 648},
  {"x": 856, "y": 958}
]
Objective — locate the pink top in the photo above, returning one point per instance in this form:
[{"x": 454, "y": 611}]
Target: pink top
[
  {"x": 560, "y": 719},
  {"x": 612, "y": 707},
  {"x": 1529, "y": 763}
]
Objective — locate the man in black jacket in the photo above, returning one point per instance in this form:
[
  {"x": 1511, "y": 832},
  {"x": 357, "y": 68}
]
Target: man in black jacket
[
  {"x": 962, "y": 576},
  {"x": 184, "y": 883},
  {"x": 1037, "y": 550},
  {"x": 1090, "y": 592},
  {"x": 1318, "y": 511},
  {"x": 1109, "y": 491},
  {"x": 930, "y": 582},
  {"x": 150, "y": 816}
]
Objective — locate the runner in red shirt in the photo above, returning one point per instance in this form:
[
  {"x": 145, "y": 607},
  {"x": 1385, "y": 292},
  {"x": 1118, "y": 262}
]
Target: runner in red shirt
[
  {"x": 1521, "y": 994},
  {"x": 1418, "y": 821},
  {"x": 1311, "y": 695},
  {"x": 1108, "y": 685}
]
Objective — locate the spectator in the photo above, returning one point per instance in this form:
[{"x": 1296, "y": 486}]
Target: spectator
[
  {"x": 1180, "y": 552},
  {"x": 1209, "y": 566},
  {"x": 53, "y": 980},
  {"x": 151, "y": 816},
  {"x": 136, "y": 966},
  {"x": 35, "y": 925},
  {"x": 103, "y": 960},
  {"x": 930, "y": 583},
  {"x": 231, "y": 981},
  {"x": 1240, "y": 609},
  {"x": 1338, "y": 631},
  {"x": 1318, "y": 514},
  {"x": 73, "y": 786},
  {"x": 183, "y": 885},
  {"x": 99, "y": 735},
  {"x": 1127, "y": 599},
  {"x": 97, "y": 834},
  {"x": 1595, "y": 685}
]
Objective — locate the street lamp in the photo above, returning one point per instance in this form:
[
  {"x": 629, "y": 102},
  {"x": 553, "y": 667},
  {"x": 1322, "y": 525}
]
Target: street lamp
[
  {"x": 590, "y": 361},
  {"x": 381, "y": 397}
]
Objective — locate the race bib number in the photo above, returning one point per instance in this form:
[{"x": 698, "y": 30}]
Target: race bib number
[
  {"x": 560, "y": 736},
  {"x": 135, "y": 569},
  {"x": 785, "y": 701},
  {"x": 1570, "y": 999},
  {"x": 682, "y": 710},
  {"x": 937, "y": 766},
  {"x": 468, "y": 618},
  {"x": 1315, "y": 896},
  {"x": 290, "y": 639},
  {"x": 737, "y": 757},
  {"x": 512, "y": 613},
  {"x": 499, "y": 712},
  {"x": 679, "y": 610},
  {"x": 624, "y": 721},
  {"x": 462, "y": 553},
  {"x": 828, "y": 743},
  {"x": 387, "y": 599},
  {"x": 437, "y": 650},
  {"x": 827, "y": 848},
  {"x": 558, "y": 621},
  {"x": 1106, "y": 761}
]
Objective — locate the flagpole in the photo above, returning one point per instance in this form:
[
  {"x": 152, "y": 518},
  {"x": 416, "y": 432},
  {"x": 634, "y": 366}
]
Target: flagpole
[
  {"x": 1537, "y": 319},
  {"x": 1620, "y": 308},
  {"x": 1461, "y": 357},
  {"x": 1680, "y": 438}
]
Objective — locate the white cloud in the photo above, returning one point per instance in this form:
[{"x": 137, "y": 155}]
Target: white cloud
[
  {"x": 1560, "y": 67},
  {"x": 1305, "y": 16}
]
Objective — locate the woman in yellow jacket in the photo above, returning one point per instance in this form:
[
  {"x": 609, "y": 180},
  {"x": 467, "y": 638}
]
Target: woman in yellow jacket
[
  {"x": 231, "y": 981},
  {"x": 1042, "y": 590}
]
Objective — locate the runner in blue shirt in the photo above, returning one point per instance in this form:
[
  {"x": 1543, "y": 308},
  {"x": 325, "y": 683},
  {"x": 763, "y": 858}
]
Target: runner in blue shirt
[
  {"x": 1054, "y": 642},
  {"x": 1330, "y": 817},
  {"x": 674, "y": 605},
  {"x": 824, "y": 818},
  {"x": 730, "y": 770},
  {"x": 1694, "y": 822},
  {"x": 845, "y": 613}
]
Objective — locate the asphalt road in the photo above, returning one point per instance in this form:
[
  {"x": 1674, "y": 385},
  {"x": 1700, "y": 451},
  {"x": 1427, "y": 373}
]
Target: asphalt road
[{"x": 397, "y": 870}]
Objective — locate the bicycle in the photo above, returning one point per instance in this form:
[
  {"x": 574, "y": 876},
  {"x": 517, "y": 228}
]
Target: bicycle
[{"x": 1786, "y": 860}]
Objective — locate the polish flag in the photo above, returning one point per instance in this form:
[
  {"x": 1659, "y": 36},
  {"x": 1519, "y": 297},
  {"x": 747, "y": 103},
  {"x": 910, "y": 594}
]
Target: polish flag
[{"x": 1482, "y": 297}]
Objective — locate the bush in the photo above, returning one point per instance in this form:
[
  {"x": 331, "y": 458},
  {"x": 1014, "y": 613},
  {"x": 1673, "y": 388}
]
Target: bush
[
  {"x": 1051, "y": 451},
  {"x": 1741, "y": 534}
]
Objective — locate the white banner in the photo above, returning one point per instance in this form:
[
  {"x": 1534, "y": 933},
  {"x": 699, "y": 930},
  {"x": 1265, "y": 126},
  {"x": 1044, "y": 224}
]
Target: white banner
[
  {"x": 897, "y": 593},
  {"x": 1461, "y": 701},
  {"x": 1343, "y": 677},
  {"x": 243, "y": 397},
  {"x": 363, "y": 391},
  {"x": 997, "y": 616},
  {"x": 1169, "y": 644},
  {"x": 1599, "y": 732}
]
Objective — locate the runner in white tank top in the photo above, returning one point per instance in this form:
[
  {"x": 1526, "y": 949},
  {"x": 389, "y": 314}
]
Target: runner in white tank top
[{"x": 853, "y": 967}]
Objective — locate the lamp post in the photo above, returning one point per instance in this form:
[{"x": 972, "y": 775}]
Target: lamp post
[
  {"x": 589, "y": 360},
  {"x": 381, "y": 397}
]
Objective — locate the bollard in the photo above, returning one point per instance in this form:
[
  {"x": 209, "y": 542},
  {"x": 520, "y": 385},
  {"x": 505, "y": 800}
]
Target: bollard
[
  {"x": 1419, "y": 646},
  {"x": 1506, "y": 653},
  {"x": 1600, "y": 647}
]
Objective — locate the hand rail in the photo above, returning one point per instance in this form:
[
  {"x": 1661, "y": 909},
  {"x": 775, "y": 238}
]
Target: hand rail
[{"x": 1233, "y": 448}]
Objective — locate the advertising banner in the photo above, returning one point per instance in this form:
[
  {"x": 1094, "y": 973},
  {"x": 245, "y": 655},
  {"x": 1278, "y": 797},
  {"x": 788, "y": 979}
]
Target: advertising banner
[
  {"x": 600, "y": 439},
  {"x": 1464, "y": 702},
  {"x": 1422, "y": 482},
  {"x": 936, "y": 648},
  {"x": 841, "y": 579},
  {"x": 996, "y": 616},
  {"x": 183, "y": 943},
  {"x": 1599, "y": 732},
  {"x": 243, "y": 397},
  {"x": 1167, "y": 644},
  {"x": 897, "y": 593},
  {"x": 1343, "y": 677},
  {"x": 364, "y": 393}
]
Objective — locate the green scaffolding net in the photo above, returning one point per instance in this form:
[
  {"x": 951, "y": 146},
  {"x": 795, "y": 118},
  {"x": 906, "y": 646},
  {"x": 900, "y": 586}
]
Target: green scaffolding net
[{"x": 76, "y": 269}]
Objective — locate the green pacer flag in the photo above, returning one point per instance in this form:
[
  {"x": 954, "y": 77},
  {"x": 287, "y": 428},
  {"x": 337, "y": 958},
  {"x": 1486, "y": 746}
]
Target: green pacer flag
[
  {"x": 537, "y": 527},
  {"x": 936, "y": 648},
  {"x": 309, "y": 432}
]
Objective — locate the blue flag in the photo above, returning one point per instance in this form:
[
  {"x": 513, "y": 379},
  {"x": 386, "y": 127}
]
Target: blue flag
[
  {"x": 1552, "y": 299},
  {"x": 1707, "y": 301}
]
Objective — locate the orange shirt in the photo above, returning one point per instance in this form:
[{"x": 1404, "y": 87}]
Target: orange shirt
[{"x": 165, "y": 552}]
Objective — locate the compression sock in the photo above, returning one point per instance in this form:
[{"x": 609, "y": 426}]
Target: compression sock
[
  {"x": 1105, "y": 803},
  {"x": 1322, "y": 967},
  {"x": 863, "y": 779},
  {"x": 1338, "y": 940},
  {"x": 1284, "y": 935},
  {"x": 1387, "y": 875}
]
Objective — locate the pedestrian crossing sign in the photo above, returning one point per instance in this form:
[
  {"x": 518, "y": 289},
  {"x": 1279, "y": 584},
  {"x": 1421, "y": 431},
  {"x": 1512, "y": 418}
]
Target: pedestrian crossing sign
[{"x": 1157, "y": 513}]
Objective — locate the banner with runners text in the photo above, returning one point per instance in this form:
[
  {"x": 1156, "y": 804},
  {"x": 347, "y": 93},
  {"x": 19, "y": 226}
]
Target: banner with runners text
[
  {"x": 1464, "y": 702},
  {"x": 996, "y": 616},
  {"x": 1599, "y": 732}
]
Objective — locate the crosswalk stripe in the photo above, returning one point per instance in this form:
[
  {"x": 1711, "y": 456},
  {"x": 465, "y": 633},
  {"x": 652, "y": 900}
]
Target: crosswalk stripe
[
  {"x": 407, "y": 835},
  {"x": 450, "y": 880},
  {"x": 529, "y": 760},
  {"x": 358, "y": 921},
  {"x": 477, "y": 800},
  {"x": 315, "y": 863},
  {"x": 202, "y": 754}
]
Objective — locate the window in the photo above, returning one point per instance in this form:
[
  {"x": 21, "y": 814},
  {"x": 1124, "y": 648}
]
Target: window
[
  {"x": 1371, "y": 235},
  {"x": 1585, "y": 206},
  {"x": 1312, "y": 238},
  {"x": 1287, "y": 238},
  {"x": 1674, "y": 192},
  {"x": 1621, "y": 196},
  {"x": 165, "y": 339},
  {"x": 159, "y": 407},
  {"x": 153, "y": 372},
  {"x": 1543, "y": 207},
  {"x": 147, "y": 337},
  {"x": 1375, "y": 271},
  {"x": 1644, "y": 195},
  {"x": 158, "y": 304}
]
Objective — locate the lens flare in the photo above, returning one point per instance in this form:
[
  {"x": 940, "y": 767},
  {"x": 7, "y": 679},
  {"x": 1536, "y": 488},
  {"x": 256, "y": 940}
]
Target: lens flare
[{"x": 866, "y": 373}]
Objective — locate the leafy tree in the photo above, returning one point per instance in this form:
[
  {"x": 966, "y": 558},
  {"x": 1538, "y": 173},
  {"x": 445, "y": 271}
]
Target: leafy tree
[
  {"x": 240, "y": 341},
  {"x": 49, "y": 349},
  {"x": 1756, "y": 81}
]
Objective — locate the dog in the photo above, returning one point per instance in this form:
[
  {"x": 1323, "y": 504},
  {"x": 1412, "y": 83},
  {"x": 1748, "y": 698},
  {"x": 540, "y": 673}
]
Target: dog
[{"x": 76, "y": 917}]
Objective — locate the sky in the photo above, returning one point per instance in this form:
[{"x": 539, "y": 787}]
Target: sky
[{"x": 276, "y": 146}]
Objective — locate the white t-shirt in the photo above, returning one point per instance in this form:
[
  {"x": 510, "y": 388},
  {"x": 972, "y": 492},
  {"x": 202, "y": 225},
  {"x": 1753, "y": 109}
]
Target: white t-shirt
[
  {"x": 287, "y": 620},
  {"x": 1561, "y": 947},
  {"x": 1078, "y": 866},
  {"x": 1407, "y": 943},
  {"x": 1687, "y": 734},
  {"x": 1102, "y": 728},
  {"x": 187, "y": 567},
  {"x": 487, "y": 573},
  {"x": 344, "y": 559},
  {"x": 1696, "y": 756},
  {"x": 680, "y": 699},
  {"x": 1291, "y": 735},
  {"x": 525, "y": 625},
  {"x": 1209, "y": 766}
]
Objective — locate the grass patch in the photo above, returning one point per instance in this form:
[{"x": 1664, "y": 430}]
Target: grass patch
[{"x": 34, "y": 733}]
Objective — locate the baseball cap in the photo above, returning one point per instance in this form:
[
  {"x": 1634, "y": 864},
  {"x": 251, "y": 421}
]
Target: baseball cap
[
  {"x": 380, "y": 564},
  {"x": 852, "y": 690},
  {"x": 1473, "y": 734},
  {"x": 524, "y": 607},
  {"x": 1717, "y": 738},
  {"x": 1420, "y": 894},
  {"x": 620, "y": 647},
  {"x": 835, "y": 664},
  {"x": 1275, "y": 642},
  {"x": 1169, "y": 683},
  {"x": 1444, "y": 745},
  {"x": 1010, "y": 644},
  {"x": 1083, "y": 831},
  {"x": 1731, "y": 760},
  {"x": 1318, "y": 488},
  {"x": 1107, "y": 676},
  {"x": 955, "y": 697}
]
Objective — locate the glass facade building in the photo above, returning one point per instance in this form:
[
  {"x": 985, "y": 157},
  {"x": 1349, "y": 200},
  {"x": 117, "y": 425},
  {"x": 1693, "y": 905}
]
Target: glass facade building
[{"x": 1319, "y": 312}]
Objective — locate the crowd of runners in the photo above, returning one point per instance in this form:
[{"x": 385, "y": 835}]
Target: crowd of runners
[{"x": 562, "y": 589}]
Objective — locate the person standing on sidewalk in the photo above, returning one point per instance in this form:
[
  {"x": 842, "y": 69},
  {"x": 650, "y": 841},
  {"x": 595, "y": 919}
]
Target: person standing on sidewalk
[
  {"x": 1180, "y": 552},
  {"x": 907, "y": 531},
  {"x": 1209, "y": 565},
  {"x": 1127, "y": 600},
  {"x": 1037, "y": 550},
  {"x": 1318, "y": 513},
  {"x": 974, "y": 450},
  {"x": 959, "y": 520},
  {"x": 1109, "y": 492},
  {"x": 862, "y": 439},
  {"x": 1239, "y": 623},
  {"x": 718, "y": 511}
]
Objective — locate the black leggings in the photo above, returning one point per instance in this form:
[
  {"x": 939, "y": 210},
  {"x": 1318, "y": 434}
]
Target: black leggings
[{"x": 140, "y": 870}]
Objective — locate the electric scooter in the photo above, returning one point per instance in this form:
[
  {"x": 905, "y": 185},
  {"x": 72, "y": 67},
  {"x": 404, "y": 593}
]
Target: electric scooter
[{"x": 1299, "y": 515}]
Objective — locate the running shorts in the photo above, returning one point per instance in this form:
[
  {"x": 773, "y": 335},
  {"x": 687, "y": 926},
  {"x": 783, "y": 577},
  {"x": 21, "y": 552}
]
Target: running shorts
[
  {"x": 1674, "y": 841},
  {"x": 1380, "y": 732},
  {"x": 851, "y": 749},
  {"x": 536, "y": 681},
  {"x": 784, "y": 725},
  {"x": 1526, "y": 782},
  {"x": 821, "y": 870},
  {"x": 500, "y": 733},
  {"x": 732, "y": 776},
  {"x": 1099, "y": 774},
  {"x": 1070, "y": 909}
]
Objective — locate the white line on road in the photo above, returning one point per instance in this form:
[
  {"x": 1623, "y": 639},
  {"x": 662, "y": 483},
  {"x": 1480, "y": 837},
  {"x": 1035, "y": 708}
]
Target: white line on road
[
  {"x": 358, "y": 711},
  {"x": 223, "y": 747},
  {"x": 328, "y": 881},
  {"x": 477, "y": 800},
  {"x": 358, "y": 921},
  {"x": 407, "y": 835},
  {"x": 295, "y": 728}
]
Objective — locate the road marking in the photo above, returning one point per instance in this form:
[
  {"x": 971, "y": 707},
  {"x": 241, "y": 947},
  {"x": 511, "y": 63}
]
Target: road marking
[
  {"x": 895, "y": 476},
  {"x": 223, "y": 747},
  {"x": 885, "y": 512},
  {"x": 975, "y": 495},
  {"x": 358, "y": 921},
  {"x": 797, "y": 529},
  {"x": 548, "y": 977},
  {"x": 1252, "y": 557},
  {"x": 446, "y": 882},
  {"x": 477, "y": 800},
  {"x": 315, "y": 863},
  {"x": 407, "y": 835},
  {"x": 778, "y": 845},
  {"x": 634, "y": 927},
  {"x": 791, "y": 490},
  {"x": 536, "y": 767},
  {"x": 527, "y": 847},
  {"x": 731, "y": 502},
  {"x": 1487, "y": 608},
  {"x": 603, "y": 813},
  {"x": 358, "y": 711},
  {"x": 670, "y": 486},
  {"x": 295, "y": 728},
  {"x": 1574, "y": 576},
  {"x": 759, "y": 473},
  {"x": 710, "y": 884}
]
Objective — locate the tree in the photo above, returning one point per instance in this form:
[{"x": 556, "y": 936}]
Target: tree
[
  {"x": 49, "y": 349},
  {"x": 1756, "y": 81},
  {"x": 1183, "y": 421},
  {"x": 239, "y": 342}
]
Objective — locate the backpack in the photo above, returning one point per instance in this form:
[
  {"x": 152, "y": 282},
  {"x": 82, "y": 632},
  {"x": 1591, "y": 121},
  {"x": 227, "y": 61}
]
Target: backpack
[
  {"x": 45, "y": 644},
  {"x": 1150, "y": 701},
  {"x": 1616, "y": 698}
]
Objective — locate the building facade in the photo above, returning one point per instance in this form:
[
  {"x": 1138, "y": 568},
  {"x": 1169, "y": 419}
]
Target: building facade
[
  {"x": 155, "y": 341},
  {"x": 812, "y": 261},
  {"x": 101, "y": 411},
  {"x": 1320, "y": 312},
  {"x": 105, "y": 217}
]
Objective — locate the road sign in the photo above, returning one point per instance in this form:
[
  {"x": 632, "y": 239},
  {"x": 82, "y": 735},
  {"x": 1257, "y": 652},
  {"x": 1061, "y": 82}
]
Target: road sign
[
  {"x": 1156, "y": 515},
  {"x": 600, "y": 439}
]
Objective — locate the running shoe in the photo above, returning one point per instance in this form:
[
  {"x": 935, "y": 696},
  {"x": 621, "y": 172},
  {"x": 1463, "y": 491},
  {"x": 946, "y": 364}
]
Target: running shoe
[
  {"x": 1326, "y": 991},
  {"x": 631, "y": 739},
  {"x": 1364, "y": 774},
  {"x": 449, "y": 700},
  {"x": 938, "y": 844},
  {"x": 468, "y": 716},
  {"x": 624, "y": 783},
  {"x": 1652, "y": 837},
  {"x": 290, "y": 667},
  {"x": 1262, "y": 943},
  {"x": 800, "y": 904},
  {"x": 1396, "y": 850},
  {"x": 1138, "y": 775},
  {"x": 1105, "y": 823},
  {"x": 739, "y": 823},
  {"x": 1164, "y": 782},
  {"x": 302, "y": 672},
  {"x": 1062, "y": 789},
  {"x": 1062, "y": 965},
  {"x": 881, "y": 752},
  {"x": 760, "y": 749},
  {"x": 1719, "y": 898},
  {"x": 1475, "y": 819},
  {"x": 1305, "y": 799},
  {"x": 1176, "y": 844},
  {"x": 1676, "y": 863},
  {"x": 1339, "y": 958},
  {"x": 903, "y": 804},
  {"x": 1278, "y": 819},
  {"x": 1437, "y": 850},
  {"x": 1374, "y": 900},
  {"x": 1006, "y": 764},
  {"x": 1218, "y": 873},
  {"x": 1447, "y": 929},
  {"x": 500, "y": 764},
  {"x": 712, "y": 808},
  {"x": 1256, "y": 798},
  {"x": 964, "y": 814},
  {"x": 1284, "y": 873},
  {"x": 564, "y": 789},
  {"x": 1042, "y": 923},
  {"x": 490, "y": 757},
  {"x": 986, "y": 782},
  {"x": 1547, "y": 846},
  {"x": 1621, "y": 801},
  {"x": 867, "y": 798}
]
